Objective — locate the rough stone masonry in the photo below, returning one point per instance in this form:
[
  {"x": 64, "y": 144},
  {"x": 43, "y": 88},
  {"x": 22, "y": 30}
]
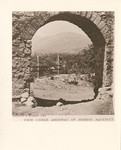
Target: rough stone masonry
[{"x": 99, "y": 26}]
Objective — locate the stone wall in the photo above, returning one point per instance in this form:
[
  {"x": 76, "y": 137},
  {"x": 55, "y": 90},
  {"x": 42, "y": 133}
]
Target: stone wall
[
  {"x": 109, "y": 52},
  {"x": 21, "y": 66},
  {"x": 97, "y": 25}
]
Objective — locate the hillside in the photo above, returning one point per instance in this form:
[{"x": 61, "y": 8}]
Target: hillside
[{"x": 67, "y": 42}]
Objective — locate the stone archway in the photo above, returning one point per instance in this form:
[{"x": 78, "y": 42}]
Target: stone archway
[{"x": 97, "y": 25}]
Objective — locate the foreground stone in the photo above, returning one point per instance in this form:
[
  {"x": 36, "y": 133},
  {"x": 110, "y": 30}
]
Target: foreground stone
[
  {"x": 29, "y": 104},
  {"x": 105, "y": 93},
  {"x": 30, "y": 99},
  {"x": 25, "y": 95},
  {"x": 23, "y": 99},
  {"x": 59, "y": 104}
]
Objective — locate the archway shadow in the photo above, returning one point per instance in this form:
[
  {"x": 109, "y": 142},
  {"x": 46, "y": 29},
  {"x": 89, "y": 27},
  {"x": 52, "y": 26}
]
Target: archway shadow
[{"x": 49, "y": 102}]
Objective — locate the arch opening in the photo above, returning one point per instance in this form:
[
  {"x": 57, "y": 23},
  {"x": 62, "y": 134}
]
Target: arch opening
[
  {"x": 93, "y": 32},
  {"x": 32, "y": 24},
  {"x": 75, "y": 52}
]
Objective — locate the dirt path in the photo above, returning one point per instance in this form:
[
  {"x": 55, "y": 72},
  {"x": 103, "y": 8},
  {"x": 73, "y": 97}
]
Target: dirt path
[{"x": 85, "y": 108}]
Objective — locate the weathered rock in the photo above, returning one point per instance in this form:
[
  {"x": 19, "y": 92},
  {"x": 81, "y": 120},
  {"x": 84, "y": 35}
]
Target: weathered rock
[
  {"x": 101, "y": 24},
  {"x": 22, "y": 45},
  {"x": 28, "y": 45},
  {"x": 88, "y": 14},
  {"x": 23, "y": 99},
  {"x": 104, "y": 89},
  {"x": 29, "y": 104},
  {"x": 30, "y": 99},
  {"x": 59, "y": 104},
  {"x": 17, "y": 97},
  {"x": 105, "y": 93},
  {"x": 25, "y": 95},
  {"x": 26, "y": 77},
  {"x": 28, "y": 41},
  {"x": 83, "y": 13},
  {"x": 93, "y": 17},
  {"x": 27, "y": 51},
  {"x": 97, "y": 20}
]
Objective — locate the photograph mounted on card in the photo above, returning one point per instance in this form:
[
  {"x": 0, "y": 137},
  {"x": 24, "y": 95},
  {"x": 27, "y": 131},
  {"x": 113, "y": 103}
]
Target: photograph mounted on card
[{"x": 62, "y": 64}]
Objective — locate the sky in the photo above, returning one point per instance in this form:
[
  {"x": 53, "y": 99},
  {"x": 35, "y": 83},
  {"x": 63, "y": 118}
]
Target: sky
[
  {"x": 53, "y": 28},
  {"x": 57, "y": 27}
]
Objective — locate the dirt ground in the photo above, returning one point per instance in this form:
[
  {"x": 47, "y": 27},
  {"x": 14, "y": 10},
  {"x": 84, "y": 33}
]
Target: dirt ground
[
  {"x": 78, "y": 99},
  {"x": 46, "y": 88}
]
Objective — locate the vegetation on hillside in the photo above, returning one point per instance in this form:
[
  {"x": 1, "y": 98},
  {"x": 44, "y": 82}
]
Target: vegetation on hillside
[{"x": 78, "y": 63}]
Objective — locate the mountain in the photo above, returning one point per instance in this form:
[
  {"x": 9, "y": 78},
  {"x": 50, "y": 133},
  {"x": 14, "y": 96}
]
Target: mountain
[{"x": 66, "y": 42}]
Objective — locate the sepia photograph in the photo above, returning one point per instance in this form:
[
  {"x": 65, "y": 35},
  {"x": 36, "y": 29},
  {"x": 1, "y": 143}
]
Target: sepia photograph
[
  {"x": 62, "y": 63},
  {"x": 60, "y": 75}
]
